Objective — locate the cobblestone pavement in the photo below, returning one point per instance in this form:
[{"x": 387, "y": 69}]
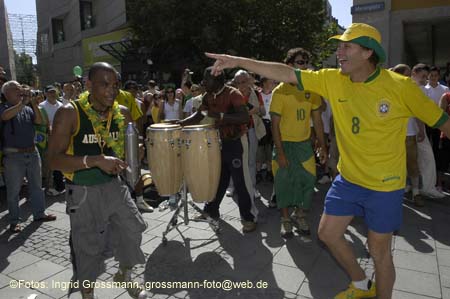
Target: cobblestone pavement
[{"x": 202, "y": 262}]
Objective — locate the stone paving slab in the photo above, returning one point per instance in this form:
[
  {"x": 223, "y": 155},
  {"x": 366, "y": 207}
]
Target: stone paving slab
[
  {"x": 37, "y": 272},
  {"x": 18, "y": 261},
  {"x": 416, "y": 261},
  {"x": 418, "y": 283}
]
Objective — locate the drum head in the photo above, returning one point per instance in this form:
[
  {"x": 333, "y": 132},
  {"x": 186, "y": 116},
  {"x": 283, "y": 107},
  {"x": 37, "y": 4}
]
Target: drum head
[
  {"x": 198, "y": 127},
  {"x": 164, "y": 127}
]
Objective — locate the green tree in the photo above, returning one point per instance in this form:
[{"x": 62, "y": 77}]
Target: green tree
[
  {"x": 24, "y": 68},
  {"x": 178, "y": 32}
]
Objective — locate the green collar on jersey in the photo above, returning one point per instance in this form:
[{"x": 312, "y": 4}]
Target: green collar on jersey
[{"x": 373, "y": 75}]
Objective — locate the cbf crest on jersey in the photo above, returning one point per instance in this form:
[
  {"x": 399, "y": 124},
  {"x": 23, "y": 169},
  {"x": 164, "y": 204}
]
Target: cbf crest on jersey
[
  {"x": 383, "y": 107},
  {"x": 307, "y": 95}
]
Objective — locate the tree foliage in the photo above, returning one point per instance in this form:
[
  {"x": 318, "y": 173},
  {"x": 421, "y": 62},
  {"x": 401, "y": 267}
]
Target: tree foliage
[
  {"x": 178, "y": 32},
  {"x": 24, "y": 68}
]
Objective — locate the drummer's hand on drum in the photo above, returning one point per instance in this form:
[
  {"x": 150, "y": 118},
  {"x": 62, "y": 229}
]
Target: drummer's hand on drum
[
  {"x": 215, "y": 115},
  {"x": 111, "y": 165}
]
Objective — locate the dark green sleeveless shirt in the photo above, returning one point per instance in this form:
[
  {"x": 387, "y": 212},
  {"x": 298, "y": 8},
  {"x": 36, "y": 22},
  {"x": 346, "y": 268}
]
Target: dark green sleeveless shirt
[{"x": 84, "y": 142}]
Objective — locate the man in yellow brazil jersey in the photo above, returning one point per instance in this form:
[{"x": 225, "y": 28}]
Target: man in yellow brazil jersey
[{"x": 371, "y": 107}]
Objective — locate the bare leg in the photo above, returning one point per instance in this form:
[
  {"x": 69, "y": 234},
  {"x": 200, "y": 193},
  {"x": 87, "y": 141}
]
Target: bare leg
[
  {"x": 380, "y": 250},
  {"x": 284, "y": 212},
  {"x": 331, "y": 232}
]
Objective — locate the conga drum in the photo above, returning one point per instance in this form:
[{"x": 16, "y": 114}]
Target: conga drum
[
  {"x": 164, "y": 157},
  {"x": 201, "y": 161}
]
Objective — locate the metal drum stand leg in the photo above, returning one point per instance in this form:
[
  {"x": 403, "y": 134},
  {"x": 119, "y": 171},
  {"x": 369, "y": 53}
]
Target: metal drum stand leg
[{"x": 173, "y": 223}]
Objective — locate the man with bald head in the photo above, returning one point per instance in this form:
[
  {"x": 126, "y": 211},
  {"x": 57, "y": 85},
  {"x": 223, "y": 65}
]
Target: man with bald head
[{"x": 87, "y": 145}]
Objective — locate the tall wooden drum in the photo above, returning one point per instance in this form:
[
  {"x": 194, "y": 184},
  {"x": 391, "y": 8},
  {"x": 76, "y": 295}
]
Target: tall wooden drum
[
  {"x": 164, "y": 157},
  {"x": 201, "y": 161}
]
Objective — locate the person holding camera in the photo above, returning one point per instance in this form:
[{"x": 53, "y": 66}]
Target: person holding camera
[{"x": 21, "y": 159}]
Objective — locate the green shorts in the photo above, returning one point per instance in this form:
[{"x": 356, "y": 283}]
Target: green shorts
[{"x": 294, "y": 185}]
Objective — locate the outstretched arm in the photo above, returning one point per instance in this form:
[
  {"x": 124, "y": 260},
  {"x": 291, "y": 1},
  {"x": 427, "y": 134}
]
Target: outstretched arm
[{"x": 272, "y": 70}]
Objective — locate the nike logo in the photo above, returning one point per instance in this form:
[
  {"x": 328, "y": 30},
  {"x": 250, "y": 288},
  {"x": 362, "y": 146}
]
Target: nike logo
[{"x": 342, "y": 101}]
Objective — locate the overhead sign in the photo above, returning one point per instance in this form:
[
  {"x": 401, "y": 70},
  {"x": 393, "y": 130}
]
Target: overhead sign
[
  {"x": 92, "y": 51},
  {"x": 369, "y": 7}
]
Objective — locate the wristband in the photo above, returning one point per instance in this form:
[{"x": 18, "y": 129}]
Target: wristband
[{"x": 85, "y": 162}]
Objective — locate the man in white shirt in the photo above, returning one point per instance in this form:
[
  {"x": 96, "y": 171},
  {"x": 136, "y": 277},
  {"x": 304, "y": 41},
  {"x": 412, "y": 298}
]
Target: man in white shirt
[
  {"x": 435, "y": 91},
  {"x": 51, "y": 105},
  {"x": 194, "y": 102},
  {"x": 425, "y": 157},
  {"x": 68, "y": 93},
  {"x": 264, "y": 153}
]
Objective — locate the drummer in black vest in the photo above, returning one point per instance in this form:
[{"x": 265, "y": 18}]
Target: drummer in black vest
[{"x": 227, "y": 107}]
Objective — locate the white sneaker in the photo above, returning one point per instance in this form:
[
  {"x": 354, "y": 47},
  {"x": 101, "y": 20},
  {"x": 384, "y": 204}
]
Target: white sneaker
[
  {"x": 54, "y": 192},
  {"x": 229, "y": 192},
  {"x": 324, "y": 180},
  {"x": 433, "y": 193},
  {"x": 143, "y": 206}
]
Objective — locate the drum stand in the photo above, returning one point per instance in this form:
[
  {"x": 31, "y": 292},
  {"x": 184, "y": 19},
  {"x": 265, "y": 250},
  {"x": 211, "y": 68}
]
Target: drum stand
[{"x": 183, "y": 205}]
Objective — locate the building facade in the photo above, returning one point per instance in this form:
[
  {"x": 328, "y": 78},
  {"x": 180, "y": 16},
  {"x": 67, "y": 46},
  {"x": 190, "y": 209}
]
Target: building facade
[
  {"x": 6, "y": 50},
  {"x": 78, "y": 33},
  {"x": 412, "y": 30}
]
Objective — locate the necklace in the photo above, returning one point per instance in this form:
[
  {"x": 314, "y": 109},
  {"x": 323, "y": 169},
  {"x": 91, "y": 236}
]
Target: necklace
[
  {"x": 103, "y": 135},
  {"x": 215, "y": 94}
]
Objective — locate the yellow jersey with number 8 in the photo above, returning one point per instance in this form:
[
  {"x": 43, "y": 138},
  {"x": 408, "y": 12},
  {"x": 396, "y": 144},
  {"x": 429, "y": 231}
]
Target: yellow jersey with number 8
[{"x": 370, "y": 120}]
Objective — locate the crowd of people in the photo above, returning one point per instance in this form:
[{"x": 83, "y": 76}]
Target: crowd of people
[{"x": 278, "y": 122}]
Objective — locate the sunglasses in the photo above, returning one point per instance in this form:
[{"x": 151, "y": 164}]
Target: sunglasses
[{"x": 300, "y": 62}]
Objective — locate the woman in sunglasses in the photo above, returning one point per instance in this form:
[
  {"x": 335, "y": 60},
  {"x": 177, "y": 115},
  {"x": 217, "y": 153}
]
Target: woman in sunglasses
[{"x": 170, "y": 108}]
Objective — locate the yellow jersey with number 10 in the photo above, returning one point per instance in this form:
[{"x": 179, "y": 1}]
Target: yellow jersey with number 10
[
  {"x": 294, "y": 107},
  {"x": 370, "y": 120}
]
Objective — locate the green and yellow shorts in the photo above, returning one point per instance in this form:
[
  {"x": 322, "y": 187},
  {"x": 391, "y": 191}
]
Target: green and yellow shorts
[{"x": 294, "y": 185}]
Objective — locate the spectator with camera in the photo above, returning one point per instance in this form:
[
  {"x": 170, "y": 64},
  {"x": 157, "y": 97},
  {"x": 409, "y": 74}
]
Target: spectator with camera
[{"x": 21, "y": 159}]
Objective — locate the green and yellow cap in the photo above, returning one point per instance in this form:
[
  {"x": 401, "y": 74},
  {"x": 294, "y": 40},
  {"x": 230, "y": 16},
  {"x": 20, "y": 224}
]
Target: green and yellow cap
[{"x": 364, "y": 35}]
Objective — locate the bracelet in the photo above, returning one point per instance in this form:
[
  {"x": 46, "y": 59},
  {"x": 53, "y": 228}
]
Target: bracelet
[{"x": 85, "y": 161}]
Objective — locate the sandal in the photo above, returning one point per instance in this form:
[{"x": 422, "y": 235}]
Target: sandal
[
  {"x": 46, "y": 218},
  {"x": 15, "y": 228}
]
